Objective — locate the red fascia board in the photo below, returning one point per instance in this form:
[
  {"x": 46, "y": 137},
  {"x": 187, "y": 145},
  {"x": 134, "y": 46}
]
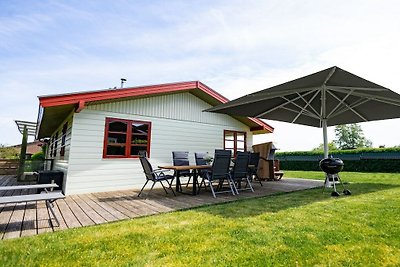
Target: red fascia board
[
  {"x": 263, "y": 124},
  {"x": 82, "y": 98},
  {"x": 211, "y": 92},
  {"x": 59, "y": 100}
]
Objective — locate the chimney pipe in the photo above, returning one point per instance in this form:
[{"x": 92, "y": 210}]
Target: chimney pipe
[{"x": 123, "y": 80}]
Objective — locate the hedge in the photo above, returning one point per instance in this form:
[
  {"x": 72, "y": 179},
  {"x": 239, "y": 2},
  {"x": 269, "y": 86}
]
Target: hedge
[
  {"x": 356, "y": 160},
  {"x": 369, "y": 165}
]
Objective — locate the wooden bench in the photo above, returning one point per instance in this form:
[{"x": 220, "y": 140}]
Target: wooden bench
[{"x": 49, "y": 196}]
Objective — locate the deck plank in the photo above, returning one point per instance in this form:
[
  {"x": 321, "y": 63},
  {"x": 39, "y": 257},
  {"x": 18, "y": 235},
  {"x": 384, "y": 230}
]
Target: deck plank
[
  {"x": 29, "y": 225},
  {"x": 68, "y": 216},
  {"x": 99, "y": 209},
  {"x": 43, "y": 218},
  {"x": 88, "y": 210},
  {"x": 107, "y": 207},
  {"x": 83, "y": 219},
  {"x": 14, "y": 226},
  {"x": 31, "y": 218}
]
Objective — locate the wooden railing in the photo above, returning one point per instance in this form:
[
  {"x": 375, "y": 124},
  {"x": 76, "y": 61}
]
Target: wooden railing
[{"x": 8, "y": 166}]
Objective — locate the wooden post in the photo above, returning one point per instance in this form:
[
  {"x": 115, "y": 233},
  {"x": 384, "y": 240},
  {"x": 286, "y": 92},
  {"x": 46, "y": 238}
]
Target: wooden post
[{"x": 22, "y": 155}]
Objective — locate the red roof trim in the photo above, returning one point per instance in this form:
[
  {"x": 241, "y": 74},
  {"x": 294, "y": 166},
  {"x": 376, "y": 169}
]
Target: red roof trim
[
  {"x": 223, "y": 99},
  {"x": 211, "y": 92},
  {"x": 74, "y": 98},
  {"x": 263, "y": 124},
  {"x": 80, "y": 99}
]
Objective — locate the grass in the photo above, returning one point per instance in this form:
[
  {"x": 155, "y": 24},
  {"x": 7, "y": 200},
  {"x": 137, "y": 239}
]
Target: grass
[{"x": 305, "y": 228}]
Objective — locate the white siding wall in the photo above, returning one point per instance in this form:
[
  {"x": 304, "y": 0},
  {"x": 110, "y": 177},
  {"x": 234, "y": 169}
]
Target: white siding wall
[
  {"x": 178, "y": 123},
  {"x": 61, "y": 163}
]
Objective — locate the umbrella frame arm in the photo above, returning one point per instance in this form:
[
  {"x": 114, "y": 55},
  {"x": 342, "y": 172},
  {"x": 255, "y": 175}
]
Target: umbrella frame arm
[
  {"x": 308, "y": 104},
  {"x": 347, "y": 106},
  {"x": 290, "y": 101}
]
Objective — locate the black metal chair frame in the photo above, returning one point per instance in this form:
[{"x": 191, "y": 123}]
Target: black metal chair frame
[
  {"x": 155, "y": 176},
  {"x": 254, "y": 161},
  {"x": 219, "y": 173},
  {"x": 240, "y": 172}
]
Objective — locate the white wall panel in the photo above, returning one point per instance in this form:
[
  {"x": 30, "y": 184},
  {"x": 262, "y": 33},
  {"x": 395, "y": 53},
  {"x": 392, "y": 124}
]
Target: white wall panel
[{"x": 178, "y": 124}]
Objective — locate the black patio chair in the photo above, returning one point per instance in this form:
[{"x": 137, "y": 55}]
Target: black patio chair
[
  {"x": 199, "y": 159},
  {"x": 240, "y": 171},
  {"x": 155, "y": 175},
  {"x": 181, "y": 158},
  {"x": 253, "y": 167},
  {"x": 219, "y": 173}
]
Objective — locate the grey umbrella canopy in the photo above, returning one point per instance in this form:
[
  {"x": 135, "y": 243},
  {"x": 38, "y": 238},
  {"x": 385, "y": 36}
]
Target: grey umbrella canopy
[{"x": 325, "y": 98}]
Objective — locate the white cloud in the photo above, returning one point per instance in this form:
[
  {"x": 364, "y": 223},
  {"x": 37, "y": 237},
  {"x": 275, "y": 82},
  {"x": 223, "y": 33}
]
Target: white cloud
[{"x": 235, "y": 47}]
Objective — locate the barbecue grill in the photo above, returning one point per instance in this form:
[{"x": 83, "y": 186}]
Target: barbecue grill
[{"x": 332, "y": 167}]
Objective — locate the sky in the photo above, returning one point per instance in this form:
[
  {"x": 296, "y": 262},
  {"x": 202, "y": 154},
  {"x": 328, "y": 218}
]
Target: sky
[{"x": 235, "y": 47}]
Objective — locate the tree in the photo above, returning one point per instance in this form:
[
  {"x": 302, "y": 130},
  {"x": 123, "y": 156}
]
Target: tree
[
  {"x": 350, "y": 136},
  {"x": 331, "y": 146}
]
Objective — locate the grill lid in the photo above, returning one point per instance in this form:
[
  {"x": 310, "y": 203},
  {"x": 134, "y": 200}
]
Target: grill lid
[{"x": 331, "y": 165}]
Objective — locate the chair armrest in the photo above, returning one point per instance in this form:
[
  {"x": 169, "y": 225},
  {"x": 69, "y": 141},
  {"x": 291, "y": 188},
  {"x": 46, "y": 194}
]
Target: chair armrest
[{"x": 160, "y": 172}]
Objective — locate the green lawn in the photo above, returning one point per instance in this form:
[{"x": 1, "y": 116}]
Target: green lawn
[{"x": 304, "y": 228}]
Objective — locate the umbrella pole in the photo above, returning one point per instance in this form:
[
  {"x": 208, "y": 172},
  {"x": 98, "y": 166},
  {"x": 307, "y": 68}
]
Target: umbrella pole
[{"x": 325, "y": 133}]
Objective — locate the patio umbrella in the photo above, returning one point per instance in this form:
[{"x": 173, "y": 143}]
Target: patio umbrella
[{"x": 325, "y": 98}]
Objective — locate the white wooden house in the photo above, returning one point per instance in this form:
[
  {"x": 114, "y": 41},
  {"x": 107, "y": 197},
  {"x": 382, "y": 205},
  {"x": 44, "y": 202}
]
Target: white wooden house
[{"x": 94, "y": 137}]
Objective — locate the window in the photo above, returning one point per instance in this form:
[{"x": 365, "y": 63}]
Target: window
[
  {"x": 55, "y": 144},
  {"x": 52, "y": 146},
  {"x": 235, "y": 141},
  {"x": 125, "y": 138},
  {"x": 64, "y": 135}
]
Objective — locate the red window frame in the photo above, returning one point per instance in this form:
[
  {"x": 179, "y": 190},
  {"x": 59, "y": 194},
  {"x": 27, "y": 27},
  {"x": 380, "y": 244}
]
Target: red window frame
[
  {"x": 128, "y": 139},
  {"x": 235, "y": 141}
]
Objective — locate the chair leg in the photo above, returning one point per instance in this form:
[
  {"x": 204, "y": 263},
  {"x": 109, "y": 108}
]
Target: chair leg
[
  {"x": 212, "y": 189},
  {"x": 163, "y": 187},
  {"x": 151, "y": 188},
  {"x": 249, "y": 183},
  {"x": 143, "y": 187},
  {"x": 233, "y": 186},
  {"x": 170, "y": 187},
  {"x": 203, "y": 182},
  {"x": 258, "y": 179}
]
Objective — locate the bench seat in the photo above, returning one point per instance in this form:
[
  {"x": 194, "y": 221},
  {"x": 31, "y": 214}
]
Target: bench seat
[{"x": 32, "y": 197}]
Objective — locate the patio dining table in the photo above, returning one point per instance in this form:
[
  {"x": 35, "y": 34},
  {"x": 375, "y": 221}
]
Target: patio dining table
[{"x": 178, "y": 169}]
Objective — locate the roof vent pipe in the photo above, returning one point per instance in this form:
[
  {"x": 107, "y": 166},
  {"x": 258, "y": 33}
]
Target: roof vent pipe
[{"x": 123, "y": 80}]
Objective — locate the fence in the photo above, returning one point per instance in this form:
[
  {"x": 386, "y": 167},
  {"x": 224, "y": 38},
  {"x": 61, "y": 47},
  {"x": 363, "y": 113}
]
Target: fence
[{"x": 10, "y": 166}]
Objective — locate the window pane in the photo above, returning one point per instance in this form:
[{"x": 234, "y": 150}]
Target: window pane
[
  {"x": 240, "y": 136},
  {"x": 116, "y": 138},
  {"x": 140, "y": 128},
  {"x": 240, "y": 145},
  {"x": 229, "y": 136},
  {"x": 116, "y": 150},
  {"x": 117, "y": 126},
  {"x": 229, "y": 144},
  {"x": 139, "y": 140},
  {"x": 135, "y": 150}
]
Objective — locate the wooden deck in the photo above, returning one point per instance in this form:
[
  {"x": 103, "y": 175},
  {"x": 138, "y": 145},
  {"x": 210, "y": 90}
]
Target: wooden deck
[{"x": 31, "y": 218}]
